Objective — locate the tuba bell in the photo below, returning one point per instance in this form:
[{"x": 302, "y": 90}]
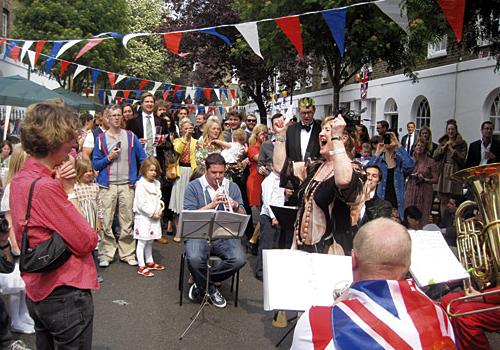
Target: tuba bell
[{"x": 478, "y": 237}]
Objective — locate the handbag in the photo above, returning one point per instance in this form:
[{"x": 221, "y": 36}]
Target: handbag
[
  {"x": 46, "y": 256},
  {"x": 171, "y": 165}
]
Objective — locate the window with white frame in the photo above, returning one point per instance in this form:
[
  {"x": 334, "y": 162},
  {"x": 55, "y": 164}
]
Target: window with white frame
[
  {"x": 309, "y": 77},
  {"x": 324, "y": 76},
  {"x": 297, "y": 86},
  {"x": 391, "y": 112},
  {"x": 423, "y": 117},
  {"x": 437, "y": 49},
  {"x": 495, "y": 113},
  {"x": 5, "y": 27}
]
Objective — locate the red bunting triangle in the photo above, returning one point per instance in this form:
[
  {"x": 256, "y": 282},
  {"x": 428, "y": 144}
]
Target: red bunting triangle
[
  {"x": 191, "y": 109},
  {"x": 172, "y": 41},
  {"x": 454, "y": 12},
  {"x": 2, "y": 40},
  {"x": 89, "y": 45},
  {"x": 118, "y": 99},
  {"x": 111, "y": 78},
  {"x": 291, "y": 28},
  {"x": 208, "y": 93},
  {"x": 64, "y": 66},
  {"x": 177, "y": 88},
  {"x": 38, "y": 48},
  {"x": 233, "y": 93},
  {"x": 165, "y": 94},
  {"x": 143, "y": 83},
  {"x": 14, "y": 53},
  {"x": 126, "y": 94}
]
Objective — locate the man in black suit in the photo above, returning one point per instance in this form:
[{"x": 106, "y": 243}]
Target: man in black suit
[
  {"x": 484, "y": 151},
  {"x": 409, "y": 140}
]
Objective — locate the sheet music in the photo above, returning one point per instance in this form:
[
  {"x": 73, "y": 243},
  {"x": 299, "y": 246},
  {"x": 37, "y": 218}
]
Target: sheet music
[
  {"x": 230, "y": 224},
  {"x": 196, "y": 223},
  {"x": 295, "y": 280},
  {"x": 432, "y": 260}
]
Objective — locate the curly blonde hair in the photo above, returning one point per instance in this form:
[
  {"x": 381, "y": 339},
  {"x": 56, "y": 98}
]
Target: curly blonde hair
[
  {"x": 208, "y": 125},
  {"x": 46, "y": 127},
  {"x": 255, "y": 132}
]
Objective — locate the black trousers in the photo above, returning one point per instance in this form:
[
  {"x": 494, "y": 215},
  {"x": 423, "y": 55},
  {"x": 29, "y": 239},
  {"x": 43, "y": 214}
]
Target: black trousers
[
  {"x": 5, "y": 334},
  {"x": 64, "y": 319}
]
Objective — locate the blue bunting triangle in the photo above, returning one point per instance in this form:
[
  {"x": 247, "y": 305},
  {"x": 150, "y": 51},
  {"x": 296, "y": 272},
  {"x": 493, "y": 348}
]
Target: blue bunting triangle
[
  {"x": 95, "y": 73},
  {"x": 212, "y": 31},
  {"x": 101, "y": 96},
  {"x": 9, "y": 48},
  {"x": 335, "y": 19}
]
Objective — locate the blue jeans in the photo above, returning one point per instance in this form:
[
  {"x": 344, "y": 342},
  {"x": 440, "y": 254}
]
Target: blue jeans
[
  {"x": 229, "y": 250},
  {"x": 64, "y": 319}
]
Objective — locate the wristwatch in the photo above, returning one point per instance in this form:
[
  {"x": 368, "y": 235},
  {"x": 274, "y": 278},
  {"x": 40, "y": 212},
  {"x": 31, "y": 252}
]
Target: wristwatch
[{"x": 336, "y": 138}]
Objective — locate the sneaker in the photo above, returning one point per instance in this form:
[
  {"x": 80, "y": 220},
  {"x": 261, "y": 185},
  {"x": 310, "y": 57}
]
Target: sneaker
[
  {"x": 217, "y": 299},
  {"x": 155, "y": 266},
  {"x": 194, "y": 293},
  {"x": 103, "y": 263},
  {"x": 131, "y": 262},
  {"x": 18, "y": 345},
  {"x": 145, "y": 271}
]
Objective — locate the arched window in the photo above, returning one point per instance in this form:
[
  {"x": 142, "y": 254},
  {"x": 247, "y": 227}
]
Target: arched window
[
  {"x": 423, "y": 116},
  {"x": 391, "y": 113},
  {"x": 495, "y": 113}
]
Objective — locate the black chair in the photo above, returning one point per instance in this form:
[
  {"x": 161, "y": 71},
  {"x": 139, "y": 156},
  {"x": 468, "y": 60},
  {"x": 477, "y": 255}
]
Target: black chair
[{"x": 214, "y": 260}]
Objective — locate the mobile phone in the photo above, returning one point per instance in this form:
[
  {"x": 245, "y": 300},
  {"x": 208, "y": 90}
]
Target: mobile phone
[
  {"x": 387, "y": 138},
  {"x": 118, "y": 145}
]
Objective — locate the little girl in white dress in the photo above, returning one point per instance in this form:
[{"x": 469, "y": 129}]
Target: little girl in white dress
[{"x": 148, "y": 208}]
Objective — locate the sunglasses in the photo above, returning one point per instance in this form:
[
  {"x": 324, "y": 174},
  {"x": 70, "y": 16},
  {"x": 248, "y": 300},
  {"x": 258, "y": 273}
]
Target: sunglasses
[{"x": 251, "y": 120}]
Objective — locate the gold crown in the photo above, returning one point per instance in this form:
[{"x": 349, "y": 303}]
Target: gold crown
[{"x": 306, "y": 102}]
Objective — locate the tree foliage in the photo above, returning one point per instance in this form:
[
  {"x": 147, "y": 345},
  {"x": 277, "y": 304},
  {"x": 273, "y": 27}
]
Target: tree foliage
[{"x": 49, "y": 20}]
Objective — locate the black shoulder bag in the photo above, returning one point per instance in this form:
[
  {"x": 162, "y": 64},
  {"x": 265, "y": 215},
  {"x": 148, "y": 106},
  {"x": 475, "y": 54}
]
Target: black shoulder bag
[{"x": 46, "y": 256}]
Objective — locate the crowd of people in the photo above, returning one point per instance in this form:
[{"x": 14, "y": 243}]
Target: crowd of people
[{"x": 120, "y": 180}]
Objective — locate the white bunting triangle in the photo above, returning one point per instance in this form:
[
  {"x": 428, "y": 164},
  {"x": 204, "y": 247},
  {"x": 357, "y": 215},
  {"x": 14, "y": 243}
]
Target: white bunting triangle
[
  {"x": 110, "y": 100},
  {"x": 27, "y": 44},
  {"x": 251, "y": 34},
  {"x": 120, "y": 78},
  {"x": 217, "y": 93},
  {"x": 157, "y": 85},
  {"x": 190, "y": 92},
  {"x": 128, "y": 37},
  {"x": 31, "y": 56},
  {"x": 66, "y": 46},
  {"x": 395, "y": 10},
  {"x": 78, "y": 70},
  {"x": 113, "y": 94}
]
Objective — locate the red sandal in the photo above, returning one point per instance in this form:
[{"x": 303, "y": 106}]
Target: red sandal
[
  {"x": 145, "y": 271},
  {"x": 155, "y": 266}
]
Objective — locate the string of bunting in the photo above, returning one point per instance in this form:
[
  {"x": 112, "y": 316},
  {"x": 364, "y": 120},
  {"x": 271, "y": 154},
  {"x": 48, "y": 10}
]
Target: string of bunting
[{"x": 335, "y": 18}]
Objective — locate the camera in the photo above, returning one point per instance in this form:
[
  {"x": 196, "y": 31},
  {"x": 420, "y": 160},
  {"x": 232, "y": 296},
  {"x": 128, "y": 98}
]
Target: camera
[
  {"x": 387, "y": 139},
  {"x": 118, "y": 145}
]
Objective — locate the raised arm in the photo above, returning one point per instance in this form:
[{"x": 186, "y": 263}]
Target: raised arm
[{"x": 279, "y": 153}]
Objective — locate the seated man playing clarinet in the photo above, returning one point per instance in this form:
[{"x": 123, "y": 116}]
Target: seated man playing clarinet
[
  {"x": 213, "y": 191},
  {"x": 381, "y": 310}
]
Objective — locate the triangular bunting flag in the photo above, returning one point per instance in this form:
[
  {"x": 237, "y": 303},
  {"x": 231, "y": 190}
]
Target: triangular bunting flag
[
  {"x": 31, "y": 57},
  {"x": 38, "y": 49},
  {"x": 207, "y": 92},
  {"x": 126, "y": 94},
  {"x": 220, "y": 110},
  {"x": 165, "y": 94},
  {"x": 128, "y": 37},
  {"x": 56, "y": 48},
  {"x": 157, "y": 85},
  {"x": 49, "y": 62},
  {"x": 2, "y": 40},
  {"x": 78, "y": 70},
  {"x": 143, "y": 83},
  {"x": 198, "y": 93},
  {"x": 225, "y": 93},
  {"x": 214, "y": 32},
  {"x": 291, "y": 28},
  {"x": 233, "y": 93},
  {"x": 95, "y": 73},
  {"x": 27, "y": 44},
  {"x": 179, "y": 94},
  {"x": 217, "y": 93},
  {"x": 396, "y": 10},
  {"x": 335, "y": 19},
  {"x": 67, "y": 46},
  {"x": 250, "y": 33},
  {"x": 191, "y": 109},
  {"x": 113, "y": 93},
  {"x": 89, "y": 45},
  {"x": 190, "y": 92},
  {"x": 64, "y": 66},
  {"x": 120, "y": 78},
  {"x": 454, "y": 12},
  {"x": 8, "y": 49},
  {"x": 119, "y": 100},
  {"x": 172, "y": 41},
  {"x": 111, "y": 78},
  {"x": 166, "y": 87},
  {"x": 14, "y": 53},
  {"x": 137, "y": 93},
  {"x": 101, "y": 96},
  {"x": 110, "y": 100}
]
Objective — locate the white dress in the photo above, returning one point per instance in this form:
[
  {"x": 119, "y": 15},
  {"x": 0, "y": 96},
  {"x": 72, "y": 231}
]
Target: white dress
[{"x": 147, "y": 201}]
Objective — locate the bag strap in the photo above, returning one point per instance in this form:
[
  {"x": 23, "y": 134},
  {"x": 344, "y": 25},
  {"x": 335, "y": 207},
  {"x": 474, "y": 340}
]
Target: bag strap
[{"x": 25, "y": 243}]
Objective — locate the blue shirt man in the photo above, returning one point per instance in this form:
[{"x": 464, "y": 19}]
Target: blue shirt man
[{"x": 203, "y": 194}]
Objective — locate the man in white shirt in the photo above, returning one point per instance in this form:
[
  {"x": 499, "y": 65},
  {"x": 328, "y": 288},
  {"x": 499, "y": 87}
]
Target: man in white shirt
[
  {"x": 409, "y": 140},
  {"x": 102, "y": 125}
]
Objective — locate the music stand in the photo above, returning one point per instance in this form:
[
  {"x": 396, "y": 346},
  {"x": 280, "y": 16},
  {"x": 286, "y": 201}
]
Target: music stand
[{"x": 210, "y": 225}]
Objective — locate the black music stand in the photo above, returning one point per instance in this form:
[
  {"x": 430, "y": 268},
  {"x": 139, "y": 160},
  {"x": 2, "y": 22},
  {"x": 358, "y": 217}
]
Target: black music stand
[{"x": 210, "y": 225}]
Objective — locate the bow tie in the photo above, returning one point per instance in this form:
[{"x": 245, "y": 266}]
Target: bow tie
[{"x": 306, "y": 127}]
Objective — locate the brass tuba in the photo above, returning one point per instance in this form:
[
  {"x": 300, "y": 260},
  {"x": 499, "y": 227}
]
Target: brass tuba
[{"x": 478, "y": 238}]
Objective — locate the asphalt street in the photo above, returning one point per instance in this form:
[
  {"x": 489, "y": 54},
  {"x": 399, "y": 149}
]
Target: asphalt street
[{"x": 136, "y": 312}]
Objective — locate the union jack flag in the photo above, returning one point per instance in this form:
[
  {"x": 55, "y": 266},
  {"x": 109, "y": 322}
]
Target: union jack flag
[
  {"x": 363, "y": 75},
  {"x": 377, "y": 314}
]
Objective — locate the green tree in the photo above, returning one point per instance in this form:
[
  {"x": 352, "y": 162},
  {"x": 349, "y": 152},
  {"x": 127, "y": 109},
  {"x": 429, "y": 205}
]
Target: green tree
[{"x": 52, "y": 20}]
